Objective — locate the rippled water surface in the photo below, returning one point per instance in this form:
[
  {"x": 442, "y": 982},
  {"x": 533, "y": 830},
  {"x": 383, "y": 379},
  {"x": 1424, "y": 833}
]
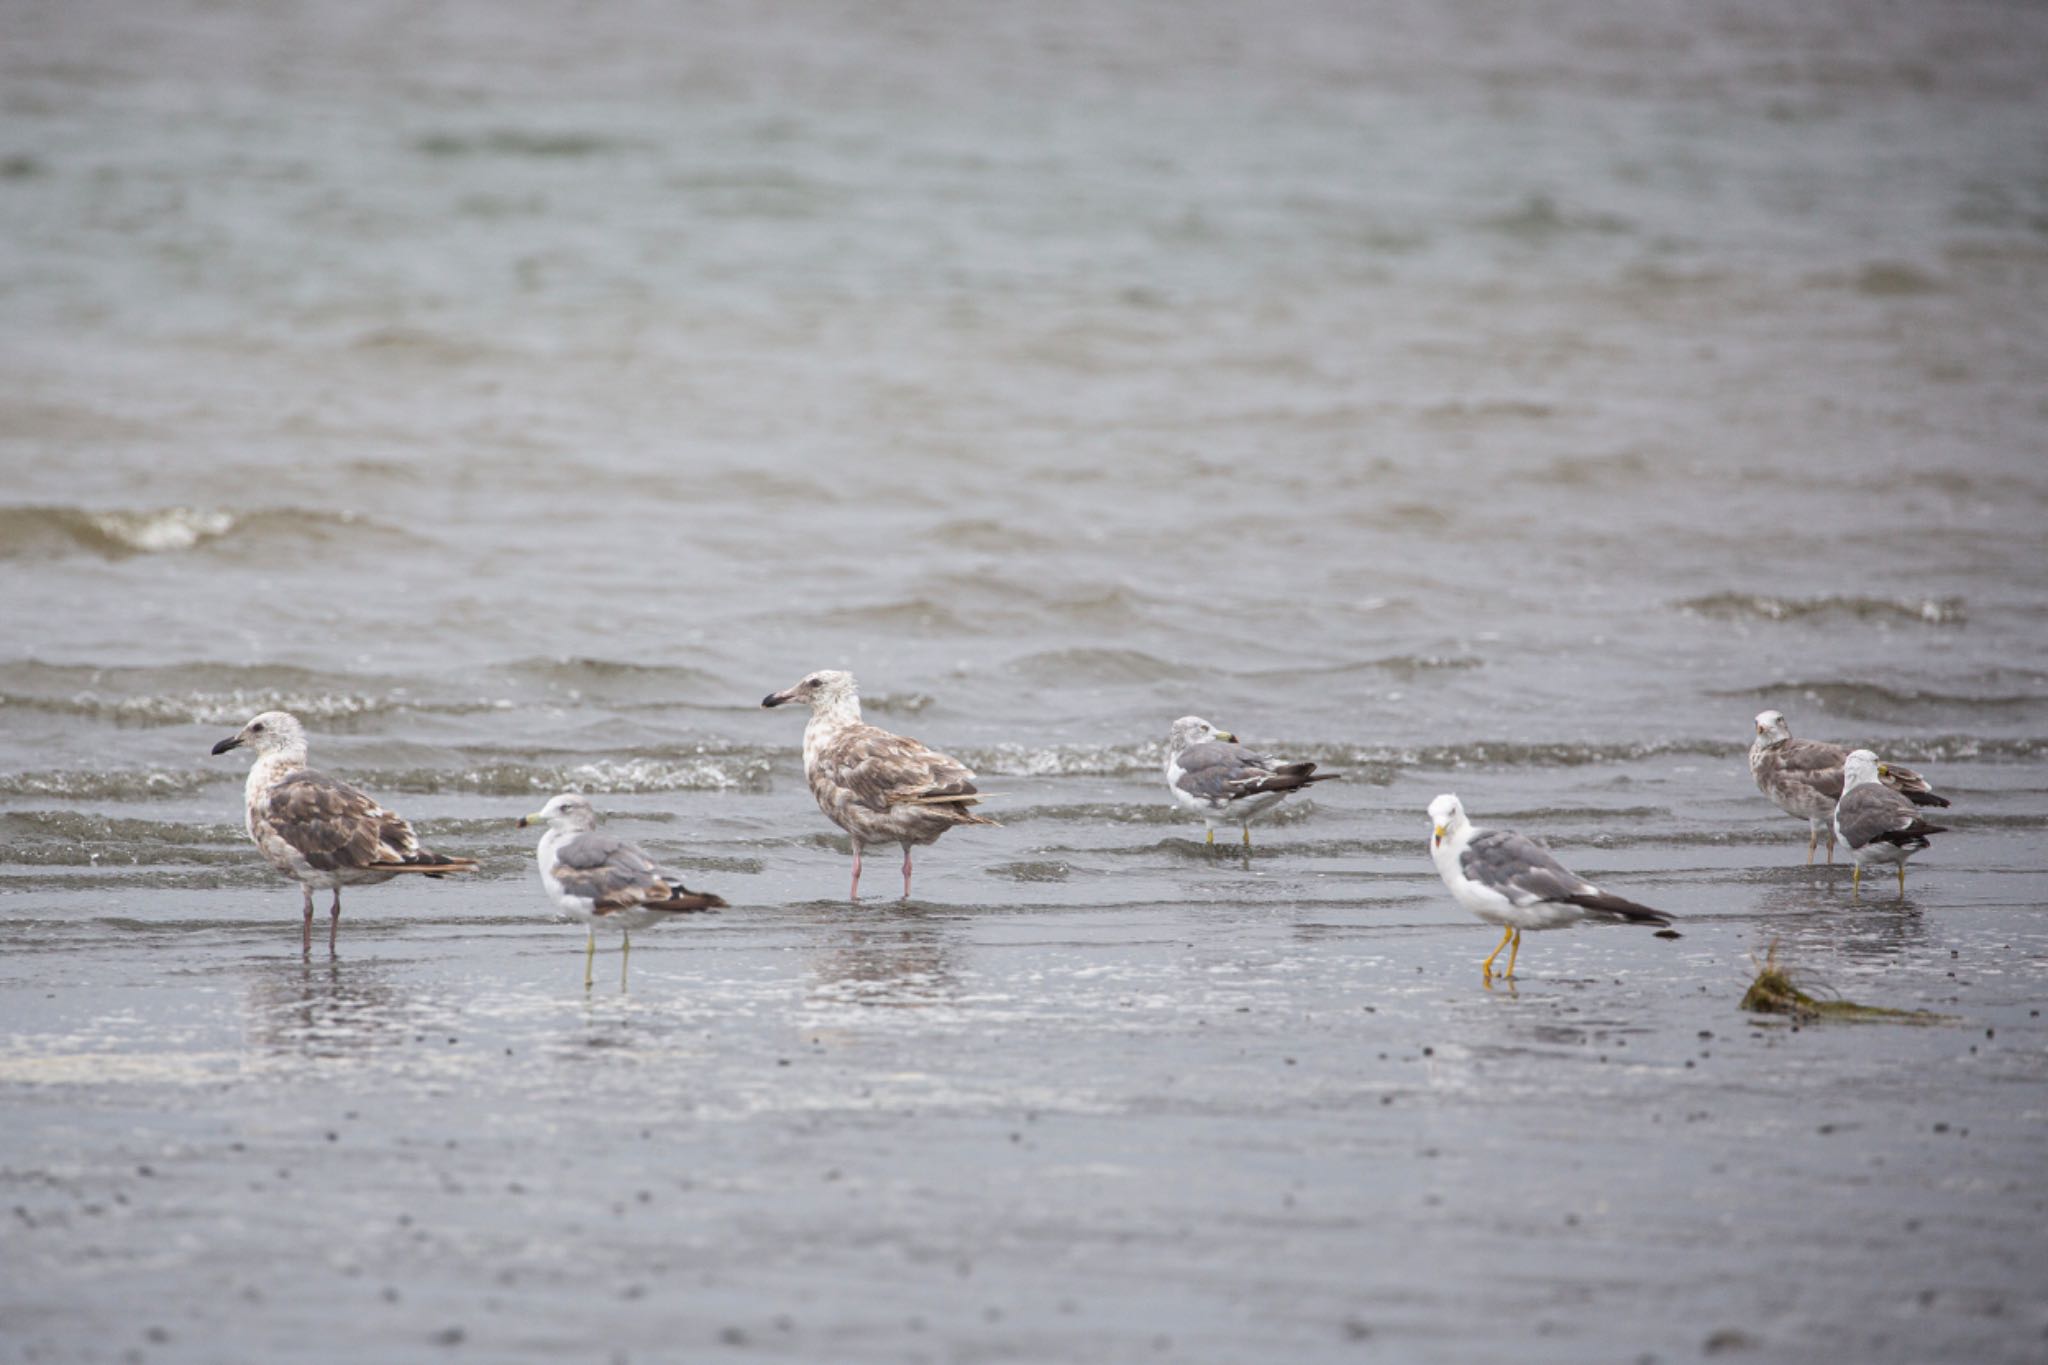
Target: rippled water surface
[{"x": 1467, "y": 397}]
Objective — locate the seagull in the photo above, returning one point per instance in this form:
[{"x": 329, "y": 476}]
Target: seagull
[
  {"x": 1213, "y": 775},
  {"x": 602, "y": 879},
  {"x": 318, "y": 830},
  {"x": 1804, "y": 778},
  {"x": 1878, "y": 824},
  {"x": 878, "y": 787},
  {"x": 1510, "y": 880}
]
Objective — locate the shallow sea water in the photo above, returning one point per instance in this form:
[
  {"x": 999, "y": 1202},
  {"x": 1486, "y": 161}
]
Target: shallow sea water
[{"x": 1466, "y": 397}]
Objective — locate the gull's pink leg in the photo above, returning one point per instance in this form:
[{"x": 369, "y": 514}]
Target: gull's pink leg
[
  {"x": 906, "y": 872},
  {"x": 854, "y": 894},
  {"x": 306, "y": 934},
  {"x": 334, "y": 921}
]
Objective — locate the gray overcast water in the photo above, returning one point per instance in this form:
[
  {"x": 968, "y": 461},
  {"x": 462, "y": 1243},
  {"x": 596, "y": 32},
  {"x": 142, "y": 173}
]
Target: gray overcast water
[{"x": 1500, "y": 398}]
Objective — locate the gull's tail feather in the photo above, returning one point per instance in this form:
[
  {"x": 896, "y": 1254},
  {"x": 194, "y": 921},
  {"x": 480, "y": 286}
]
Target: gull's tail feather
[
  {"x": 428, "y": 863},
  {"x": 1913, "y": 837},
  {"x": 1287, "y": 777},
  {"x": 683, "y": 901},
  {"x": 1912, "y": 786},
  {"x": 1602, "y": 903},
  {"x": 953, "y": 803}
]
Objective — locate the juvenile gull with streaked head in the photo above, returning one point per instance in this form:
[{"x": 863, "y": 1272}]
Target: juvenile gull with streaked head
[
  {"x": 1804, "y": 778},
  {"x": 318, "y": 830},
  {"x": 878, "y": 787}
]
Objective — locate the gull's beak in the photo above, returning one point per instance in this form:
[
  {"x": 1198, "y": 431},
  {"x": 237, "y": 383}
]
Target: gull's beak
[
  {"x": 777, "y": 698},
  {"x": 532, "y": 819},
  {"x": 1884, "y": 770},
  {"x": 231, "y": 742},
  {"x": 1439, "y": 833},
  {"x": 1226, "y": 736}
]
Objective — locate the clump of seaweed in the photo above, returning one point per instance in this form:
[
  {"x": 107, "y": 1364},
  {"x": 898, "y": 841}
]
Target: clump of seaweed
[{"x": 1774, "y": 992}]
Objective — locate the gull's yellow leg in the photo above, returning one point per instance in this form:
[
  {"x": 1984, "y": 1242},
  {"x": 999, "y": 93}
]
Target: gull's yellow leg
[
  {"x": 1514, "y": 953},
  {"x": 1856, "y": 881},
  {"x": 1247, "y": 836},
  {"x": 1486, "y": 967},
  {"x": 1212, "y": 836},
  {"x": 625, "y": 951},
  {"x": 589, "y": 956},
  {"x": 1902, "y": 880}
]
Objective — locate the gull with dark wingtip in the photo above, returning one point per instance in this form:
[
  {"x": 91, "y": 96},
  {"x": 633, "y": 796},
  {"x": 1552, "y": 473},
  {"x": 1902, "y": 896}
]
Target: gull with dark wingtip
[
  {"x": 602, "y": 879},
  {"x": 1511, "y": 880},
  {"x": 1804, "y": 778},
  {"x": 878, "y": 787},
  {"x": 1211, "y": 774},
  {"x": 1878, "y": 824},
  {"x": 318, "y": 830}
]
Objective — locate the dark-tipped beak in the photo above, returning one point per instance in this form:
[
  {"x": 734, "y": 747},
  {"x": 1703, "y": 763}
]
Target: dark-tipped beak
[
  {"x": 1226, "y": 737},
  {"x": 522, "y": 822},
  {"x": 775, "y": 699},
  {"x": 231, "y": 742}
]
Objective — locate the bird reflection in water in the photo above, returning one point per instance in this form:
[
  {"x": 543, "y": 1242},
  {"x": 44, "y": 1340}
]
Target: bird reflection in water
[
  {"x": 1813, "y": 926},
  {"x": 906, "y": 964},
  {"x": 329, "y": 1009}
]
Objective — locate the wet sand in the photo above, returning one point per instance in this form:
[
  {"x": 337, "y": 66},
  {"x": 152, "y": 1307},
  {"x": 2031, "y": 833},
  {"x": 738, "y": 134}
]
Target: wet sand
[{"x": 1115, "y": 1099}]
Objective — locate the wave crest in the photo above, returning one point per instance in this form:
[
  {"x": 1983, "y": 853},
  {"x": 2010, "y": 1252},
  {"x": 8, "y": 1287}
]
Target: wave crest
[{"x": 1742, "y": 606}]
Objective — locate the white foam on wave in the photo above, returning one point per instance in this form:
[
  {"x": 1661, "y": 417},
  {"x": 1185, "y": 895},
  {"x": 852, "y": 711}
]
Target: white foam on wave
[{"x": 164, "y": 529}]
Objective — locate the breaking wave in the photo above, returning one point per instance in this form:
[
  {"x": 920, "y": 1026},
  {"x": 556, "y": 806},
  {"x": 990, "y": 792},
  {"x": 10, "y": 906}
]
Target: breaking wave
[
  {"x": 697, "y": 772},
  {"x": 136, "y": 784},
  {"x": 119, "y": 533},
  {"x": 1740, "y": 606}
]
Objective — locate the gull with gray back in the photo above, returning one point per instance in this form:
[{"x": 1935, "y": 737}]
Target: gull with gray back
[
  {"x": 602, "y": 879},
  {"x": 1803, "y": 777},
  {"x": 1219, "y": 779},
  {"x": 1511, "y": 880},
  {"x": 1878, "y": 824}
]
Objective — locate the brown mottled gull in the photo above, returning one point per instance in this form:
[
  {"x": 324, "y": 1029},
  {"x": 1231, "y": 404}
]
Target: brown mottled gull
[
  {"x": 318, "y": 830},
  {"x": 878, "y": 787},
  {"x": 1804, "y": 778}
]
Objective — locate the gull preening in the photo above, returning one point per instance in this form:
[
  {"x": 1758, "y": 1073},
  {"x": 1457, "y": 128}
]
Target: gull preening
[
  {"x": 318, "y": 830},
  {"x": 602, "y": 879},
  {"x": 1878, "y": 824},
  {"x": 878, "y": 787},
  {"x": 1211, "y": 774},
  {"x": 1804, "y": 778},
  {"x": 1511, "y": 880}
]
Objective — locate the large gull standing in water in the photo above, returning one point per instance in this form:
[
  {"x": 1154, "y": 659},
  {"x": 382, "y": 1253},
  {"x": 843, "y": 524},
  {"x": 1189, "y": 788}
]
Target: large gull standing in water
[
  {"x": 318, "y": 830},
  {"x": 1878, "y": 824},
  {"x": 602, "y": 879},
  {"x": 1513, "y": 881},
  {"x": 1213, "y": 775},
  {"x": 878, "y": 787},
  {"x": 1804, "y": 778}
]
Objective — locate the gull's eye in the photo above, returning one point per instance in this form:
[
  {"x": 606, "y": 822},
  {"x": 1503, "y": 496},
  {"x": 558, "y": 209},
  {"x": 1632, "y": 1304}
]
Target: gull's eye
[{"x": 257, "y": 728}]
